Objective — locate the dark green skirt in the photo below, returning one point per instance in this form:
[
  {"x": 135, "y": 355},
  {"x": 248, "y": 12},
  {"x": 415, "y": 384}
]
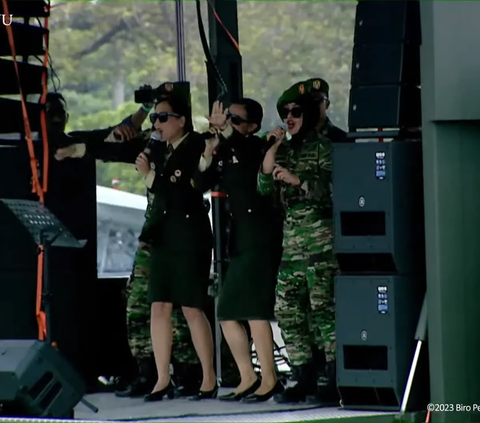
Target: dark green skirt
[
  {"x": 248, "y": 291},
  {"x": 180, "y": 278}
]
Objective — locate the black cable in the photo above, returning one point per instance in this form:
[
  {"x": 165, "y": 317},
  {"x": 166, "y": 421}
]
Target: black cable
[
  {"x": 208, "y": 55},
  {"x": 53, "y": 74}
]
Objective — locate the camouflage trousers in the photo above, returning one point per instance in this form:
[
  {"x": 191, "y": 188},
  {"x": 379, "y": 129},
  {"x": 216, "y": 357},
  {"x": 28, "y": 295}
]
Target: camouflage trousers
[
  {"x": 138, "y": 315},
  {"x": 305, "y": 307}
]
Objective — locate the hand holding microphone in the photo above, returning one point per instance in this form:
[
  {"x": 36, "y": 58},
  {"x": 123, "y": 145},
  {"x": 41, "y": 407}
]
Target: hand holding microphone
[
  {"x": 275, "y": 138},
  {"x": 142, "y": 163}
]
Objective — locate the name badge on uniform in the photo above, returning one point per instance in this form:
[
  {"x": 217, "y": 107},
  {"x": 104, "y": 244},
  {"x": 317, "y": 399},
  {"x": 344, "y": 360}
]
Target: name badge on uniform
[
  {"x": 178, "y": 173},
  {"x": 173, "y": 179}
]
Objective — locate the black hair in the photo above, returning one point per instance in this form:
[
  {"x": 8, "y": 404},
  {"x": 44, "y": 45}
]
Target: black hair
[
  {"x": 254, "y": 111},
  {"x": 55, "y": 97},
  {"x": 180, "y": 107}
]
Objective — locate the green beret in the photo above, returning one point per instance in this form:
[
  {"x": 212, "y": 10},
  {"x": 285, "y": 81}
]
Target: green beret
[
  {"x": 317, "y": 85},
  {"x": 303, "y": 91},
  {"x": 178, "y": 90}
]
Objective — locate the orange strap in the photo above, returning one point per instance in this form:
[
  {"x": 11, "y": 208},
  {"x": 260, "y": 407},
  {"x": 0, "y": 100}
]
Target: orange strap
[
  {"x": 232, "y": 38},
  {"x": 36, "y": 186},
  {"x": 218, "y": 194}
]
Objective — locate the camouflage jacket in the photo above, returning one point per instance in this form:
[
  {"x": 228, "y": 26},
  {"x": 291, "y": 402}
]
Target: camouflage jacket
[{"x": 308, "y": 206}]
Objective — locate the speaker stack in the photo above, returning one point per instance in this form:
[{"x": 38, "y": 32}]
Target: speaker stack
[
  {"x": 71, "y": 196},
  {"x": 378, "y": 211}
]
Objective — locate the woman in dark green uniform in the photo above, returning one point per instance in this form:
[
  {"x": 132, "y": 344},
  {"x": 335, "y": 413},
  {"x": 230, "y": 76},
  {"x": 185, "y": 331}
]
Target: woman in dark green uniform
[
  {"x": 248, "y": 292},
  {"x": 181, "y": 238}
]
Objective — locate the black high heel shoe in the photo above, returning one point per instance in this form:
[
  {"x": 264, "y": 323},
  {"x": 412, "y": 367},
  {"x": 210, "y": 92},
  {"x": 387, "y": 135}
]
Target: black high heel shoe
[
  {"x": 168, "y": 391},
  {"x": 203, "y": 395},
  {"x": 237, "y": 396},
  {"x": 277, "y": 389}
]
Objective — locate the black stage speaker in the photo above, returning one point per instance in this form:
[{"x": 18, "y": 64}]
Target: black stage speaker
[
  {"x": 378, "y": 207},
  {"x": 73, "y": 272},
  {"x": 36, "y": 381},
  {"x": 376, "y": 319},
  {"x": 385, "y": 80}
]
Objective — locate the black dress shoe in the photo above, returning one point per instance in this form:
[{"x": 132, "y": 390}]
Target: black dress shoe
[
  {"x": 277, "y": 389},
  {"x": 168, "y": 391},
  {"x": 203, "y": 395},
  {"x": 237, "y": 396}
]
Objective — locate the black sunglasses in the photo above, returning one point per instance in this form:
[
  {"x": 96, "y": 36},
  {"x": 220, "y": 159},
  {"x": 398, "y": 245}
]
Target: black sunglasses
[
  {"x": 162, "y": 117},
  {"x": 296, "y": 112},
  {"x": 235, "y": 119}
]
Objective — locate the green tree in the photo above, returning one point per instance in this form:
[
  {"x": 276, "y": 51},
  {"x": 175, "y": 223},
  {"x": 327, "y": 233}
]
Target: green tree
[{"x": 103, "y": 51}]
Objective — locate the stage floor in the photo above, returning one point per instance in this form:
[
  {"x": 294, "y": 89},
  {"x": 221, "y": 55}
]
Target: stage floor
[{"x": 112, "y": 408}]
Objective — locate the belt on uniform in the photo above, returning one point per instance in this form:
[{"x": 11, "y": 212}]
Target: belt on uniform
[
  {"x": 311, "y": 259},
  {"x": 324, "y": 214}
]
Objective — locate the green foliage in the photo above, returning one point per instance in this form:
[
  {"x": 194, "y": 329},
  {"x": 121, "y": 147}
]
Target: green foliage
[{"x": 103, "y": 51}]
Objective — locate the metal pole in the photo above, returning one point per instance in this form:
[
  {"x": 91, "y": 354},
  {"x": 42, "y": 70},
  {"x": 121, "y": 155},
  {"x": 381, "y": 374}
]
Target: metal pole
[
  {"x": 229, "y": 63},
  {"x": 181, "y": 67},
  {"x": 420, "y": 336}
]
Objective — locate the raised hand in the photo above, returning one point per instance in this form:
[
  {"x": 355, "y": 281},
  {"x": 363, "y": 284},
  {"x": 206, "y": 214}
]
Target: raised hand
[{"x": 218, "y": 117}]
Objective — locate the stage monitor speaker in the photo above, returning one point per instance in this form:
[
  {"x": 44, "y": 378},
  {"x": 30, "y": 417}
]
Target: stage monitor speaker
[
  {"x": 28, "y": 40},
  {"x": 376, "y": 320},
  {"x": 384, "y": 64},
  {"x": 30, "y": 77},
  {"x": 385, "y": 77},
  {"x": 26, "y": 8},
  {"x": 384, "y": 106},
  {"x": 379, "y": 22},
  {"x": 12, "y": 116},
  {"x": 36, "y": 381},
  {"x": 378, "y": 207}
]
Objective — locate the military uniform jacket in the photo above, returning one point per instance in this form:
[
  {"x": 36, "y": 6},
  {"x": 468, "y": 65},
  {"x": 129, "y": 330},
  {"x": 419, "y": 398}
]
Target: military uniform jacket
[
  {"x": 308, "y": 206},
  {"x": 333, "y": 133},
  {"x": 179, "y": 220},
  {"x": 235, "y": 168}
]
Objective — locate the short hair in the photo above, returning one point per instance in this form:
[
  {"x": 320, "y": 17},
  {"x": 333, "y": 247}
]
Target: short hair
[
  {"x": 254, "y": 111},
  {"x": 53, "y": 97}
]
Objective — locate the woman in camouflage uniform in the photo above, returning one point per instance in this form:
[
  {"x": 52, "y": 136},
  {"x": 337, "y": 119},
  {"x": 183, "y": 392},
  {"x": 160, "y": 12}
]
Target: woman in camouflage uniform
[{"x": 299, "y": 170}]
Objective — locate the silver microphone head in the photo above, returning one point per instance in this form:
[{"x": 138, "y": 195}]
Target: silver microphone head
[{"x": 156, "y": 136}]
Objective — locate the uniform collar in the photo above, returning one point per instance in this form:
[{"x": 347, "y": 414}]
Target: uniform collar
[{"x": 178, "y": 142}]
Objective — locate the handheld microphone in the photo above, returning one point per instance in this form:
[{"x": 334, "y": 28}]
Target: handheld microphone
[
  {"x": 207, "y": 135},
  {"x": 154, "y": 137},
  {"x": 273, "y": 139}
]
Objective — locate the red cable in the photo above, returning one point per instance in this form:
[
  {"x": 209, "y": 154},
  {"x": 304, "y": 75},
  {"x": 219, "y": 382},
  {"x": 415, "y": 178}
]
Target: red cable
[
  {"x": 36, "y": 186},
  {"x": 234, "y": 41}
]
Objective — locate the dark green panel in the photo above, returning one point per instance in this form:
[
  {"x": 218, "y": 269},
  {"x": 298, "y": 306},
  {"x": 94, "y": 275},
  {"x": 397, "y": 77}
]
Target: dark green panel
[{"x": 451, "y": 143}]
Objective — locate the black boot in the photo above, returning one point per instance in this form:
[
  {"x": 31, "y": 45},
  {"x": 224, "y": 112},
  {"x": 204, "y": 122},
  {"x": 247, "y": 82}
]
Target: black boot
[
  {"x": 188, "y": 378},
  {"x": 306, "y": 385},
  {"x": 138, "y": 388},
  {"x": 327, "y": 393},
  {"x": 144, "y": 382},
  {"x": 320, "y": 361}
]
